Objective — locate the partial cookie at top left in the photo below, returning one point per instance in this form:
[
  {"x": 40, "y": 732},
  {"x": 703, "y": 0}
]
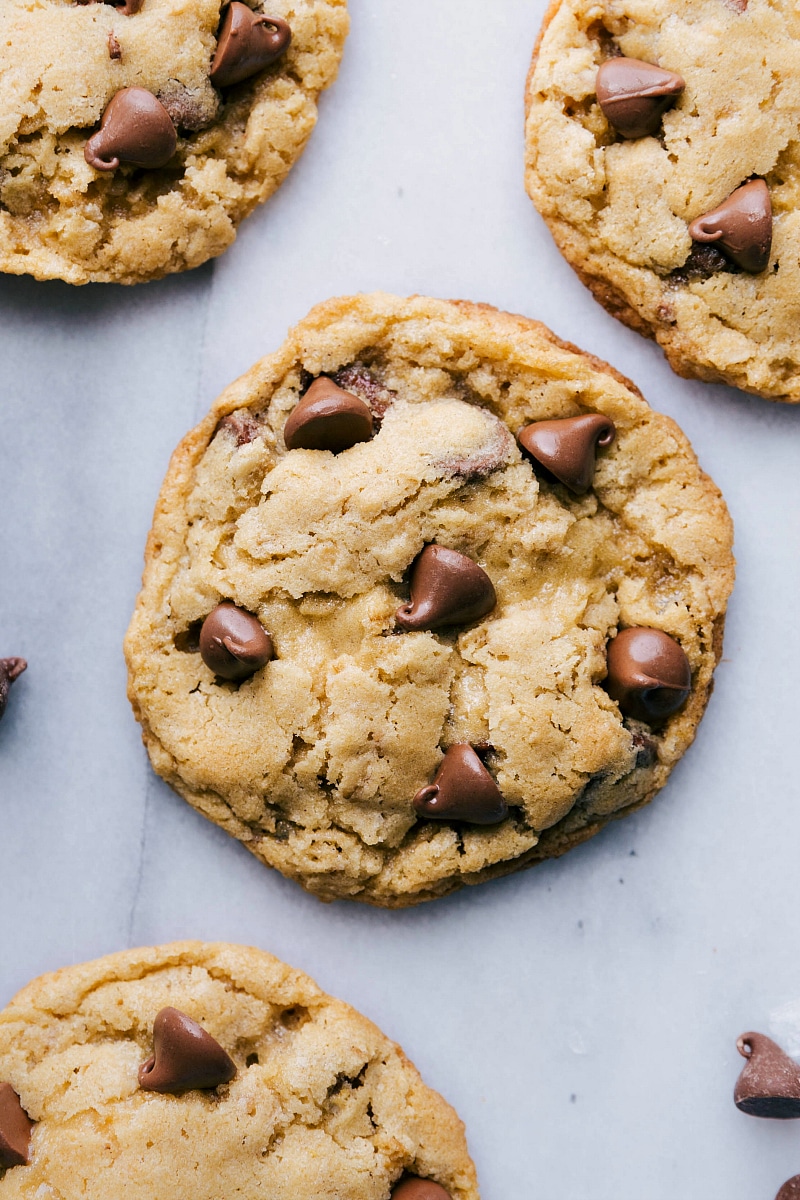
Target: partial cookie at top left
[{"x": 136, "y": 134}]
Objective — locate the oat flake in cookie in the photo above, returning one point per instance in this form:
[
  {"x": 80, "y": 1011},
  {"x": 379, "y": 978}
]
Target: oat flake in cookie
[
  {"x": 662, "y": 151},
  {"x": 444, "y": 700},
  {"x": 210, "y": 1071},
  {"x": 134, "y": 136}
]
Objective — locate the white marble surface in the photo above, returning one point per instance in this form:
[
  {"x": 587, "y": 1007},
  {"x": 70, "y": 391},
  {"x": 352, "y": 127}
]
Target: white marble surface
[{"x": 582, "y": 1017}]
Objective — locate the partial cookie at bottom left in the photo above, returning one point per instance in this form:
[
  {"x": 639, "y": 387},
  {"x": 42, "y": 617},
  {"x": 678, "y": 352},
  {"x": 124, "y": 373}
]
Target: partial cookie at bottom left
[{"x": 212, "y": 1071}]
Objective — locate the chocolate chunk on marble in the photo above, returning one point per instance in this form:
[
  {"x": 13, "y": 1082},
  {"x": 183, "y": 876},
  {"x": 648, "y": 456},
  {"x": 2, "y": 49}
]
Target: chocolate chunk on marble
[
  {"x": 15, "y": 1130},
  {"x": 328, "y": 418},
  {"x": 247, "y": 42},
  {"x": 135, "y": 129},
  {"x": 233, "y": 643},
  {"x": 790, "y": 1190},
  {"x": 185, "y": 1057},
  {"x": 769, "y": 1085},
  {"x": 634, "y": 95},
  {"x": 567, "y": 448},
  {"x": 10, "y": 671},
  {"x": 741, "y": 226},
  {"x": 462, "y": 790},
  {"x": 447, "y": 588},
  {"x": 648, "y": 674}
]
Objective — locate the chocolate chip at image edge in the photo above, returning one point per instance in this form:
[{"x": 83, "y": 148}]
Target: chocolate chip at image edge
[
  {"x": 185, "y": 1057},
  {"x": 741, "y": 226},
  {"x": 769, "y": 1085},
  {"x": 15, "y": 1130},
  {"x": 447, "y": 588},
  {"x": 634, "y": 95},
  {"x": 567, "y": 447},
  {"x": 328, "y": 418},
  {"x": 790, "y": 1190},
  {"x": 135, "y": 129},
  {"x": 10, "y": 670},
  {"x": 419, "y": 1189},
  {"x": 462, "y": 790},
  {"x": 247, "y": 42},
  {"x": 648, "y": 674},
  {"x": 234, "y": 643}
]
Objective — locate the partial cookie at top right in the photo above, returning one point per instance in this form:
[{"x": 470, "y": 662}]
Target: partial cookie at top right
[{"x": 663, "y": 150}]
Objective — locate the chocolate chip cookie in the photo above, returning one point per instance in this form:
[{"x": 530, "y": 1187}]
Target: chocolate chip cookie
[
  {"x": 208, "y": 1071},
  {"x": 429, "y": 596},
  {"x": 136, "y": 134},
  {"x": 662, "y": 150}
]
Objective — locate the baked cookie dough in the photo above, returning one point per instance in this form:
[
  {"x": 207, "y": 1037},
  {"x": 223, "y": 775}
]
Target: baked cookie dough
[
  {"x": 385, "y": 669},
  {"x": 197, "y": 150},
  {"x": 639, "y": 177},
  {"x": 212, "y": 1071}
]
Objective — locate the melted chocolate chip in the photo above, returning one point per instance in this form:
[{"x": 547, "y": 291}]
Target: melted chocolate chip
[
  {"x": 15, "y": 1130},
  {"x": 328, "y": 418},
  {"x": 233, "y": 643},
  {"x": 646, "y": 750},
  {"x": 10, "y": 670},
  {"x": 567, "y": 448},
  {"x": 114, "y": 48},
  {"x": 634, "y": 95},
  {"x": 790, "y": 1190},
  {"x": 185, "y": 1057},
  {"x": 126, "y": 7},
  {"x": 741, "y": 226},
  {"x": 241, "y": 425},
  {"x": 704, "y": 261},
  {"x": 135, "y": 129},
  {"x": 247, "y": 42},
  {"x": 648, "y": 674},
  {"x": 769, "y": 1085},
  {"x": 359, "y": 380},
  {"x": 462, "y": 790},
  {"x": 419, "y": 1189},
  {"x": 447, "y": 588}
]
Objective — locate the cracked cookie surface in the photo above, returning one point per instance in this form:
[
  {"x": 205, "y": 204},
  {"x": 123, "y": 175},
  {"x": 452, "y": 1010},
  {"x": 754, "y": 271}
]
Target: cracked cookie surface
[
  {"x": 322, "y": 1105},
  {"x": 61, "y": 63},
  {"x": 620, "y": 209},
  {"x": 315, "y": 760}
]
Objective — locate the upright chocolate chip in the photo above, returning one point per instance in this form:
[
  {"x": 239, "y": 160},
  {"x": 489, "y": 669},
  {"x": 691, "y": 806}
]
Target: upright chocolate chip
[
  {"x": 462, "y": 790},
  {"x": 741, "y": 226},
  {"x": 790, "y": 1190},
  {"x": 567, "y": 448},
  {"x": 447, "y": 588},
  {"x": 15, "y": 1130},
  {"x": 135, "y": 129},
  {"x": 328, "y": 418},
  {"x": 648, "y": 674},
  {"x": 10, "y": 669},
  {"x": 233, "y": 643},
  {"x": 769, "y": 1085},
  {"x": 185, "y": 1056},
  {"x": 419, "y": 1189},
  {"x": 634, "y": 95},
  {"x": 246, "y": 43}
]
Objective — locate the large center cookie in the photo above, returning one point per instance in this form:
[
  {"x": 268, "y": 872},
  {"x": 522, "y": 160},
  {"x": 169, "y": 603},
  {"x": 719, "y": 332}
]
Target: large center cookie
[
  {"x": 384, "y": 665},
  {"x": 210, "y": 1071},
  {"x": 662, "y": 150},
  {"x": 135, "y": 136}
]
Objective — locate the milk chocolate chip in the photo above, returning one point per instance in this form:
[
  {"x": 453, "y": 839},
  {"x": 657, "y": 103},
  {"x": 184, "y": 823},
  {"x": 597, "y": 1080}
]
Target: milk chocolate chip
[
  {"x": 634, "y": 95},
  {"x": 769, "y": 1085},
  {"x": 328, "y": 418},
  {"x": 419, "y": 1189},
  {"x": 246, "y": 43},
  {"x": 10, "y": 669},
  {"x": 741, "y": 226},
  {"x": 233, "y": 643},
  {"x": 462, "y": 790},
  {"x": 648, "y": 674},
  {"x": 567, "y": 448},
  {"x": 185, "y": 1057},
  {"x": 126, "y": 7},
  {"x": 135, "y": 129},
  {"x": 15, "y": 1130},
  {"x": 790, "y": 1190},
  {"x": 447, "y": 588}
]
